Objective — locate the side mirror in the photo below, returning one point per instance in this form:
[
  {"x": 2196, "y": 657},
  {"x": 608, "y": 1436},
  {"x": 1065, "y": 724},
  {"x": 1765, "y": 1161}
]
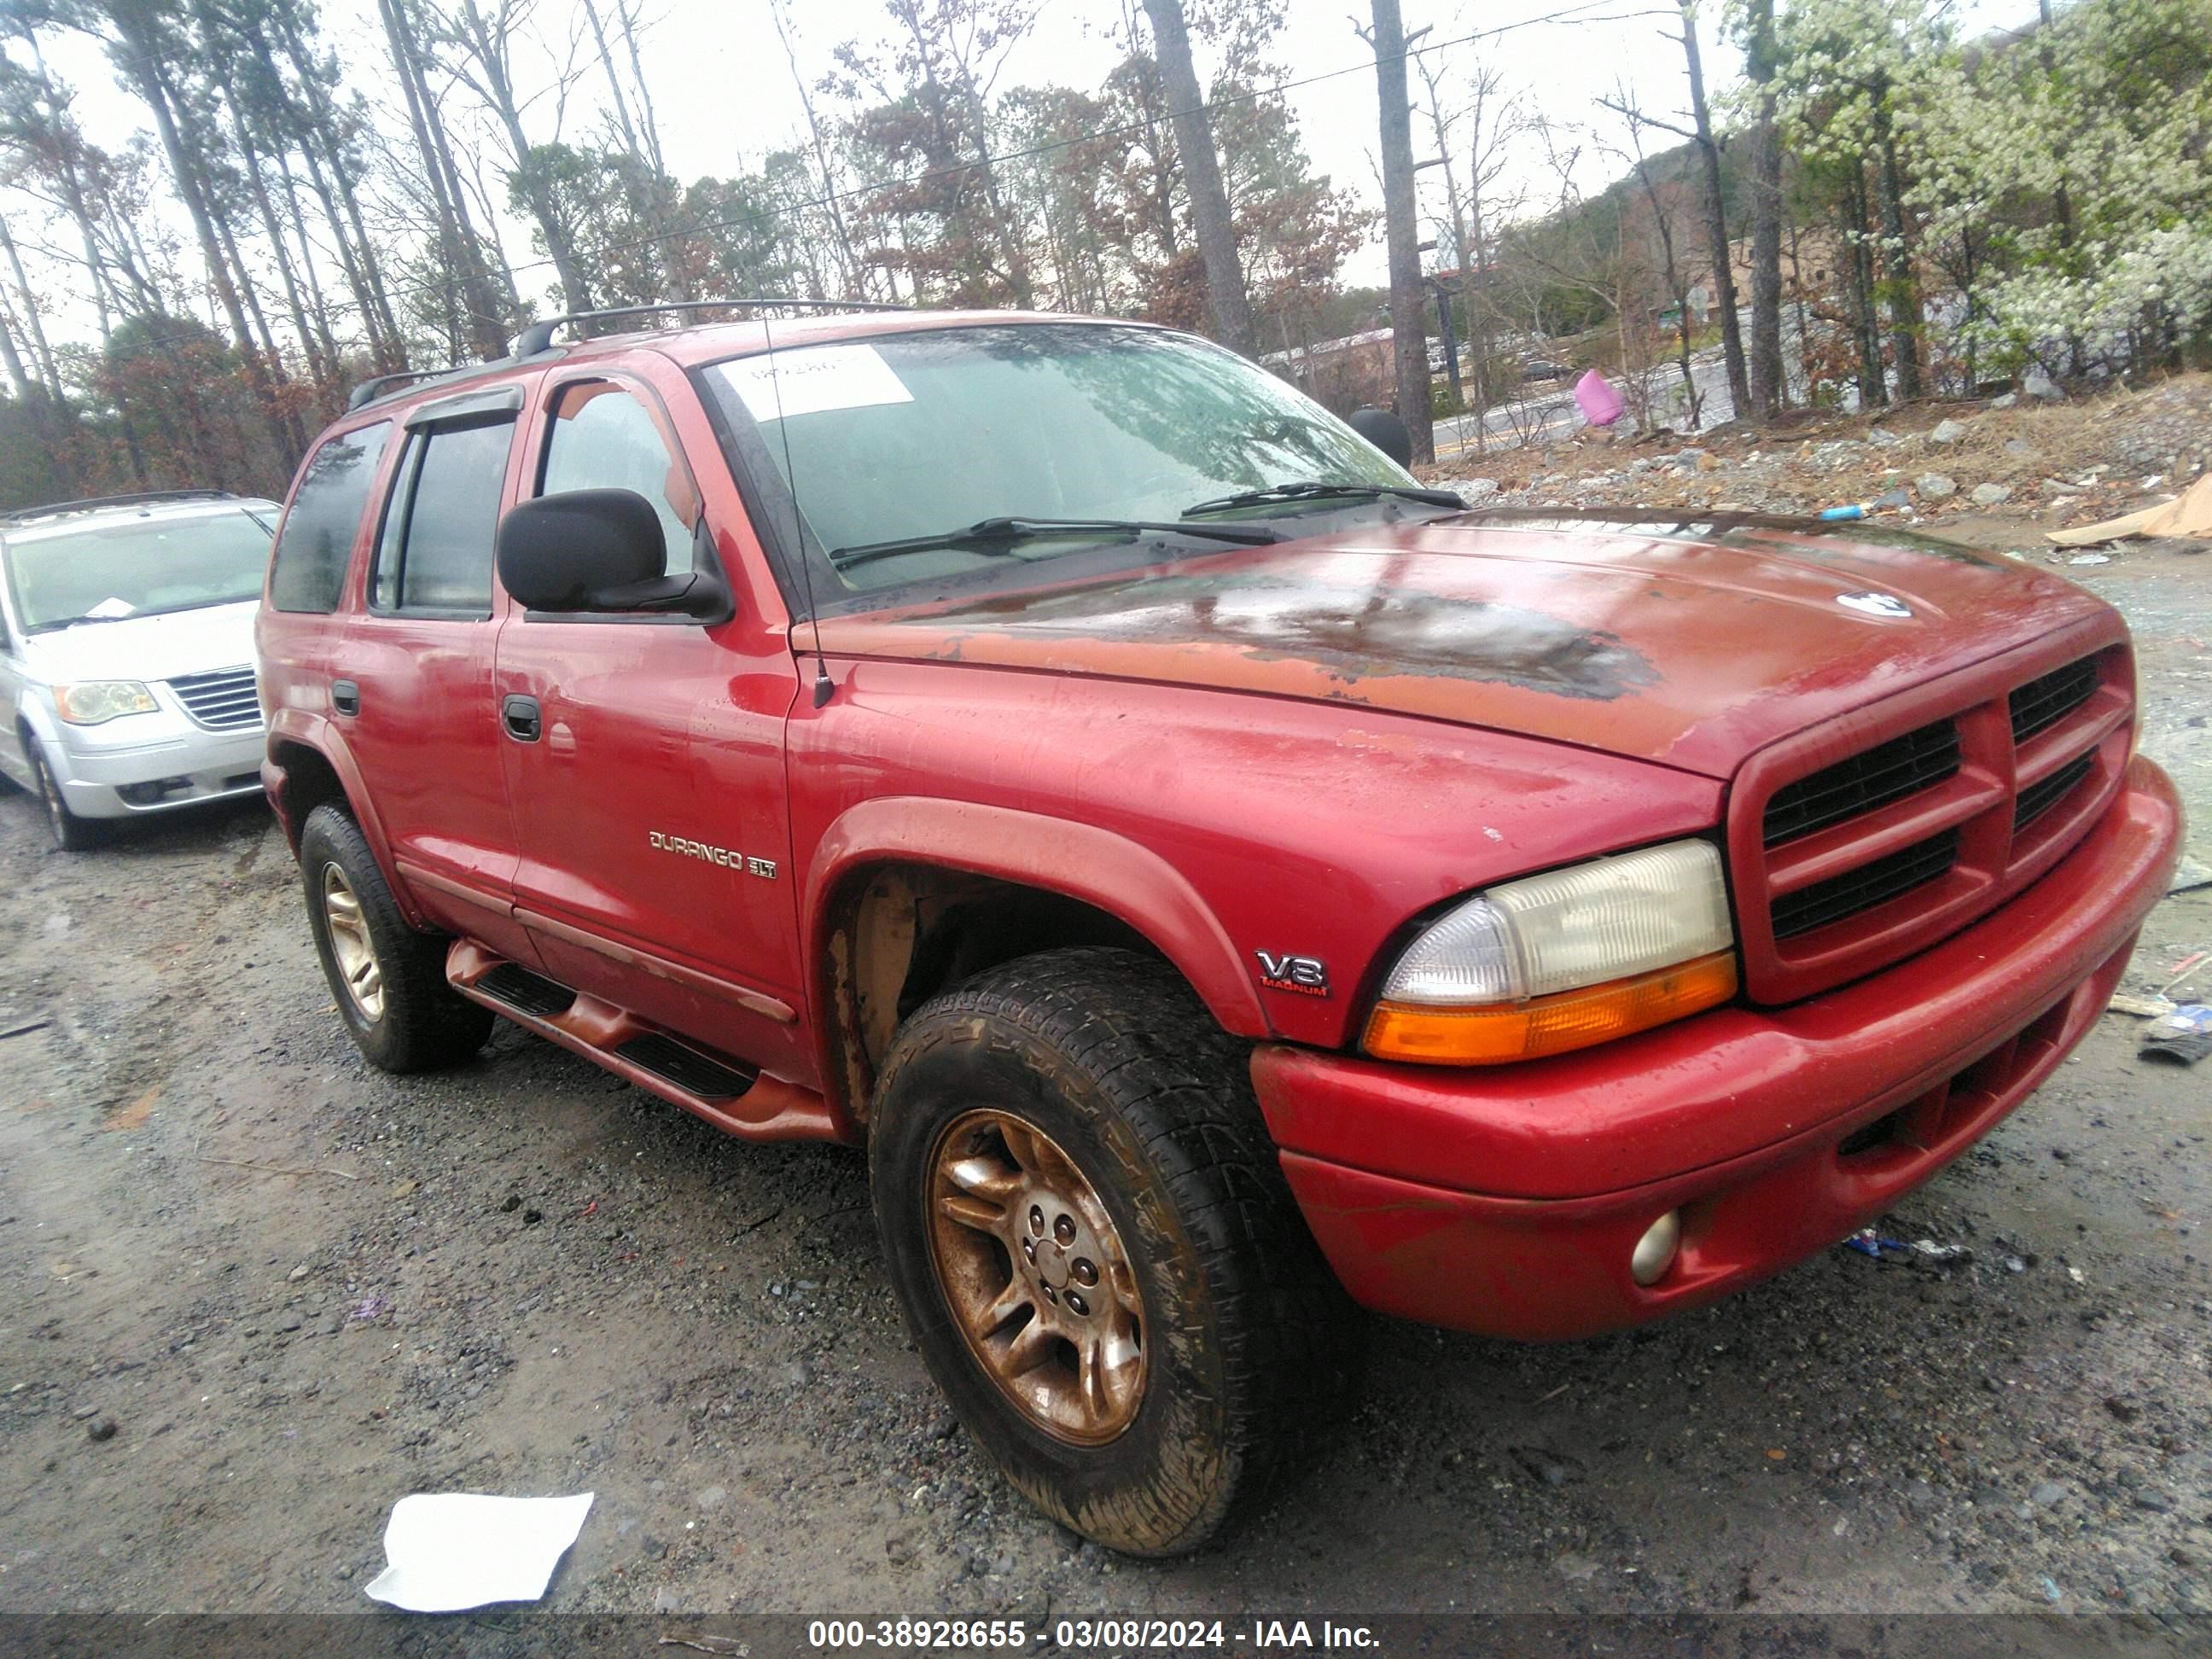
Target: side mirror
[
  {"x": 600, "y": 551},
  {"x": 1385, "y": 431}
]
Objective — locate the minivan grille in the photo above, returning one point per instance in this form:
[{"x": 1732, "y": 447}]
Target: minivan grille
[
  {"x": 1888, "y": 772},
  {"x": 1951, "y": 804},
  {"x": 225, "y": 701}
]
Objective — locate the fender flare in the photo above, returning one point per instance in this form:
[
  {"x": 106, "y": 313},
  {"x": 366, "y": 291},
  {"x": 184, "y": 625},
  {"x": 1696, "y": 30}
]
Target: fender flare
[
  {"x": 322, "y": 736},
  {"x": 1080, "y": 861}
]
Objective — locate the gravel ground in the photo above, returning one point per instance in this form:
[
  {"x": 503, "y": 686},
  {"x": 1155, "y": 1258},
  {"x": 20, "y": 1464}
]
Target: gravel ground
[{"x": 251, "y": 1294}]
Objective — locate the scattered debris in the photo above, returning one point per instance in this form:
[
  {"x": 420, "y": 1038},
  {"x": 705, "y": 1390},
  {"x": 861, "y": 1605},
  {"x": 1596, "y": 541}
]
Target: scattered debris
[
  {"x": 25, "y": 1030},
  {"x": 1991, "y": 495},
  {"x": 1936, "y": 486},
  {"x": 2141, "y": 1007},
  {"x": 274, "y": 1169},
  {"x": 2185, "y": 1034},
  {"x": 2189, "y": 875},
  {"x": 1947, "y": 432},
  {"x": 2091, "y": 558},
  {"x": 100, "y": 1428},
  {"x": 2189, "y": 513},
  {"x": 448, "y": 1552},
  {"x": 1600, "y": 405}
]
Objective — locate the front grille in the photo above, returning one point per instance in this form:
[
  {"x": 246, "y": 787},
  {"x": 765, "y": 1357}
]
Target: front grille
[
  {"x": 1862, "y": 889},
  {"x": 2040, "y": 798},
  {"x": 1890, "y": 771},
  {"x": 1938, "y": 808},
  {"x": 225, "y": 701},
  {"x": 2043, "y": 702}
]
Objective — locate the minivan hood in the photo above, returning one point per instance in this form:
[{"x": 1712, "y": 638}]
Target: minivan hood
[
  {"x": 161, "y": 646},
  {"x": 1690, "y": 642}
]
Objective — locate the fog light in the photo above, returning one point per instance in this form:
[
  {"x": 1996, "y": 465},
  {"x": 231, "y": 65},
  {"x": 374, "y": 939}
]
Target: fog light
[{"x": 1655, "y": 1251}]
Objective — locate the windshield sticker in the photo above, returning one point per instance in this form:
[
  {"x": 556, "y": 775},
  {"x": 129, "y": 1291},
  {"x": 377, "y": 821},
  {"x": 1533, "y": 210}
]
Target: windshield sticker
[
  {"x": 812, "y": 379},
  {"x": 112, "y": 607}
]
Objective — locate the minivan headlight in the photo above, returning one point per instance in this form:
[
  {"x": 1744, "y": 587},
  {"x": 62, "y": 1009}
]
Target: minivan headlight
[
  {"x": 1562, "y": 960},
  {"x": 90, "y": 702}
]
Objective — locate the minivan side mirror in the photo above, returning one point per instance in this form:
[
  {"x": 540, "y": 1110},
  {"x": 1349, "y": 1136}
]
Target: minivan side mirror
[
  {"x": 600, "y": 551},
  {"x": 1385, "y": 431}
]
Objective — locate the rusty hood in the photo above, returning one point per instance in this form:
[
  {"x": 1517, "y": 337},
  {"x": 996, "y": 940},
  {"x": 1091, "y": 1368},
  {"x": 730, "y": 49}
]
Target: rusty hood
[{"x": 1689, "y": 642}]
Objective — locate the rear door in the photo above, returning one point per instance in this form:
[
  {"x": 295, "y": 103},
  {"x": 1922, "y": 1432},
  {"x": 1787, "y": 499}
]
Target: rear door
[
  {"x": 413, "y": 689},
  {"x": 649, "y": 802}
]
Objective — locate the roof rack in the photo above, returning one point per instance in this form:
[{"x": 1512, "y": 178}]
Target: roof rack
[
  {"x": 539, "y": 336},
  {"x": 370, "y": 389},
  {"x": 101, "y": 503}
]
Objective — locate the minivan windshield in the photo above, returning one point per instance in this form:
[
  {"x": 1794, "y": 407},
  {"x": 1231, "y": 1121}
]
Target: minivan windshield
[
  {"x": 897, "y": 449},
  {"x": 138, "y": 567}
]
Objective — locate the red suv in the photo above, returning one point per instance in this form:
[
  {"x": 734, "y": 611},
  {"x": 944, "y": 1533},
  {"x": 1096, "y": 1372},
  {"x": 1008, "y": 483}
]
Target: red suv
[{"x": 1218, "y": 881}]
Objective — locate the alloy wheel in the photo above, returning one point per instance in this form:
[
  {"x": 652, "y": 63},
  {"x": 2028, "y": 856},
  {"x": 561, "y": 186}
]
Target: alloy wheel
[
  {"x": 1035, "y": 1272},
  {"x": 355, "y": 952}
]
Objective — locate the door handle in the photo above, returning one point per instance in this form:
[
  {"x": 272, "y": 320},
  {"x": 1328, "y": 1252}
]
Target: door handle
[
  {"x": 519, "y": 715},
  {"x": 345, "y": 697}
]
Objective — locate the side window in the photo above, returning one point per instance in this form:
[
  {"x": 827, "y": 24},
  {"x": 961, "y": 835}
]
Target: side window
[
  {"x": 604, "y": 438},
  {"x": 311, "y": 557},
  {"x": 435, "y": 552}
]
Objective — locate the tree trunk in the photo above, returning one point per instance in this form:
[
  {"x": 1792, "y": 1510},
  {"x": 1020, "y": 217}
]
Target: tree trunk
[
  {"x": 145, "y": 71},
  {"x": 1904, "y": 318},
  {"x": 1717, "y": 236},
  {"x": 1769, "y": 389},
  {"x": 49, "y": 373},
  {"x": 845, "y": 261},
  {"x": 1226, "y": 301},
  {"x": 1409, "y": 336},
  {"x": 1873, "y": 385},
  {"x": 318, "y": 370}
]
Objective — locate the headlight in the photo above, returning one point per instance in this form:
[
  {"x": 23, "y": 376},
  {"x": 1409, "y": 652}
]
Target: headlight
[
  {"x": 1562, "y": 960},
  {"x": 92, "y": 701}
]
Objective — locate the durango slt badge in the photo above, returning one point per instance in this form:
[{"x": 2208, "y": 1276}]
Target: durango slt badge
[{"x": 764, "y": 868}]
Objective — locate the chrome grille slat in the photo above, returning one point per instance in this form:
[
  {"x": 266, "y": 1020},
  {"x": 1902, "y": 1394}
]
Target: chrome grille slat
[{"x": 226, "y": 700}]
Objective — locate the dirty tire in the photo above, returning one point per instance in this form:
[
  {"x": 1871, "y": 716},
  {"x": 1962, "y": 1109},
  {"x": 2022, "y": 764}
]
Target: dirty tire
[
  {"x": 70, "y": 833},
  {"x": 423, "y": 1022},
  {"x": 1247, "y": 1337}
]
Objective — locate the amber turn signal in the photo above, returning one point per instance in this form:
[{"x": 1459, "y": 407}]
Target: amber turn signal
[{"x": 1549, "y": 1025}]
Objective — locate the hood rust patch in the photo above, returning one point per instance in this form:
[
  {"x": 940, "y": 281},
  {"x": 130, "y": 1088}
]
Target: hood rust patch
[{"x": 1351, "y": 633}]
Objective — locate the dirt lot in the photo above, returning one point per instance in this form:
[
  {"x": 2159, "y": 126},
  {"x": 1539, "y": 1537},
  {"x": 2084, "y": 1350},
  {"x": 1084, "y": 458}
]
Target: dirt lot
[{"x": 251, "y": 1294}]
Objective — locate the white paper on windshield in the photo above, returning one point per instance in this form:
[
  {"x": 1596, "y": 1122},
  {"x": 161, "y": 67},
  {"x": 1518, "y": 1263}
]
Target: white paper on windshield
[
  {"x": 809, "y": 380},
  {"x": 445, "y": 1551},
  {"x": 112, "y": 607}
]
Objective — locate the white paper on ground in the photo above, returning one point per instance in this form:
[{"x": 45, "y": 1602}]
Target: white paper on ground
[
  {"x": 445, "y": 1551},
  {"x": 811, "y": 379}
]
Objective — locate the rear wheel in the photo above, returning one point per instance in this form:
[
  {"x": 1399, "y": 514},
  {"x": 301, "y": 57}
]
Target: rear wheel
[
  {"x": 1087, "y": 1228},
  {"x": 389, "y": 980},
  {"x": 70, "y": 833}
]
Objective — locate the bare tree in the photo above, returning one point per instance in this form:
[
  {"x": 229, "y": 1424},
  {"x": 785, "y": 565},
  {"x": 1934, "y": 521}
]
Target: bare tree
[
  {"x": 1401, "y": 229},
  {"x": 1216, "y": 232}
]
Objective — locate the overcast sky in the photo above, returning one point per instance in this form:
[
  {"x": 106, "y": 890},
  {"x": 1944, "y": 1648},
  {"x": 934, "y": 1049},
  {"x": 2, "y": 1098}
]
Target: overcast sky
[{"x": 724, "y": 95}]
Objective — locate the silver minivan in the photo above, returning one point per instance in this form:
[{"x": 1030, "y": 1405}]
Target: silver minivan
[{"x": 126, "y": 653}]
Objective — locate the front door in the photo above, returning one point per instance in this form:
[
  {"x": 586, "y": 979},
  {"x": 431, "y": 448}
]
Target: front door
[
  {"x": 649, "y": 804},
  {"x": 413, "y": 687}
]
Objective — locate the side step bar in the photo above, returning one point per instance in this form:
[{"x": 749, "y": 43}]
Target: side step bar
[{"x": 732, "y": 1096}]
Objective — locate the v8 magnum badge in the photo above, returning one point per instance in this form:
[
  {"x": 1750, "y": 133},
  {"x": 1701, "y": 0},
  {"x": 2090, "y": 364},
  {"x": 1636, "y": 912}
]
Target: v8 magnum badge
[{"x": 1306, "y": 975}]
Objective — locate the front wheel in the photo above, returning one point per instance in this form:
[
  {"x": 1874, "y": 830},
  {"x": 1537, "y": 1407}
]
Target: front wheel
[
  {"x": 1089, "y": 1232},
  {"x": 389, "y": 980},
  {"x": 70, "y": 833}
]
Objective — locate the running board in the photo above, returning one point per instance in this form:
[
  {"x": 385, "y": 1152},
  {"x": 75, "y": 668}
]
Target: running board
[{"x": 727, "y": 1093}]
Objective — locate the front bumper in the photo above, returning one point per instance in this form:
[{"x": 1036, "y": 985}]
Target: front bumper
[
  {"x": 112, "y": 779},
  {"x": 1508, "y": 1201}
]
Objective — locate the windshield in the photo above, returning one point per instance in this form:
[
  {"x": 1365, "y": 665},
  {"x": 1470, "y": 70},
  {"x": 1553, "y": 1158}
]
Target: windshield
[
  {"x": 142, "y": 567},
  {"x": 918, "y": 436}
]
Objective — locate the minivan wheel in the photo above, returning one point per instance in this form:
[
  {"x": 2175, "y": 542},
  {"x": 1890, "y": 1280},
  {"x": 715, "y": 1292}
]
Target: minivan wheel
[
  {"x": 388, "y": 980},
  {"x": 1088, "y": 1230},
  {"x": 70, "y": 833}
]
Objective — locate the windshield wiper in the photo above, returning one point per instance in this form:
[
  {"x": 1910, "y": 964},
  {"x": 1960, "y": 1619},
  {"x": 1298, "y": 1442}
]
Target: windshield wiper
[
  {"x": 76, "y": 622},
  {"x": 997, "y": 536},
  {"x": 1313, "y": 489}
]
